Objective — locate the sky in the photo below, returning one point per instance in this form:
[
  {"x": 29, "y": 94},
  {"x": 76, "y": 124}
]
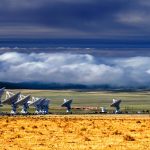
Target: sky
[
  {"x": 75, "y": 18},
  {"x": 120, "y": 59}
]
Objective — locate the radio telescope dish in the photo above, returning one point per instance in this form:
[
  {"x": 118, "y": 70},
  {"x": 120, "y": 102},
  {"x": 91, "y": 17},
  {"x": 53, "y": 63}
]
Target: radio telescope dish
[
  {"x": 11, "y": 99},
  {"x": 103, "y": 110},
  {"x": 116, "y": 104},
  {"x": 67, "y": 104},
  {"x": 23, "y": 100},
  {"x": 36, "y": 102},
  {"x": 39, "y": 106},
  {"x": 45, "y": 106},
  {"x": 2, "y": 90}
]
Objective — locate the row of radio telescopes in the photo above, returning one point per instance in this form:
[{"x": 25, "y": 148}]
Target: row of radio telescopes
[{"x": 41, "y": 104}]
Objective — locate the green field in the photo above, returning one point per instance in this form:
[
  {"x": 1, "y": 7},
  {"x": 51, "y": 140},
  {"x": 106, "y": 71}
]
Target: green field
[{"x": 131, "y": 101}]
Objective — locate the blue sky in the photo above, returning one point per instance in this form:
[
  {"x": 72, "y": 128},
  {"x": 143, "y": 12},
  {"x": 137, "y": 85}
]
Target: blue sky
[{"x": 76, "y": 19}]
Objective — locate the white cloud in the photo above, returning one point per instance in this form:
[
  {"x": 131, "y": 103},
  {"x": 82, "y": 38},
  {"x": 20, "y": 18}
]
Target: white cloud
[
  {"x": 74, "y": 68},
  {"x": 131, "y": 18}
]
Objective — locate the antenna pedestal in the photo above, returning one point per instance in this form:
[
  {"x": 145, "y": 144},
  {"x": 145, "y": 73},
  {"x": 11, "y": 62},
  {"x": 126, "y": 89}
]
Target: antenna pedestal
[
  {"x": 14, "y": 108},
  {"x": 25, "y": 108},
  {"x": 68, "y": 110},
  {"x": 45, "y": 109}
]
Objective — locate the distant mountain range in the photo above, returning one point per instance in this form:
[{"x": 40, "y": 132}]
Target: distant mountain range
[{"x": 58, "y": 86}]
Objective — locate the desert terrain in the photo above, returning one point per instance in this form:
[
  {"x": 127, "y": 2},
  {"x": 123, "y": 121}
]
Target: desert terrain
[{"x": 75, "y": 132}]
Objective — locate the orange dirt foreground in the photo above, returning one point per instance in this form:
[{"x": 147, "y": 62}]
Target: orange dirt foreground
[{"x": 75, "y": 132}]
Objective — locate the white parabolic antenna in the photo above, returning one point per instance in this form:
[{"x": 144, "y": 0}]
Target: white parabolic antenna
[
  {"x": 67, "y": 104},
  {"x": 41, "y": 105},
  {"x": 45, "y": 106},
  {"x": 33, "y": 101},
  {"x": 23, "y": 100},
  {"x": 11, "y": 99},
  {"x": 116, "y": 104}
]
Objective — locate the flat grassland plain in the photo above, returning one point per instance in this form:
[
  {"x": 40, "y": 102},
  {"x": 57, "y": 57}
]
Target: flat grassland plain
[
  {"x": 75, "y": 132},
  {"x": 131, "y": 101},
  {"x": 79, "y": 132}
]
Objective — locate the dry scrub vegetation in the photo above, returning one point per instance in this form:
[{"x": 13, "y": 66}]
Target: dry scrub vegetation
[{"x": 75, "y": 132}]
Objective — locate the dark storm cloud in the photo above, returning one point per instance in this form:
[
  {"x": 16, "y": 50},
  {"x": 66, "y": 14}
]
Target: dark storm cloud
[
  {"x": 60, "y": 14},
  {"x": 74, "y": 18}
]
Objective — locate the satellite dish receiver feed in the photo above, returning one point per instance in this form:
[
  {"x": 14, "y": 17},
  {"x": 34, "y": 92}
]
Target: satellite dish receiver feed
[
  {"x": 116, "y": 104},
  {"x": 67, "y": 104},
  {"x": 2, "y": 90},
  {"x": 11, "y": 99}
]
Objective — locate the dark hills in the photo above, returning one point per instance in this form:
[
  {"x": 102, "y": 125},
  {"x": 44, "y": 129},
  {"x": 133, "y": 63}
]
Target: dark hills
[{"x": 60, "y": 86}]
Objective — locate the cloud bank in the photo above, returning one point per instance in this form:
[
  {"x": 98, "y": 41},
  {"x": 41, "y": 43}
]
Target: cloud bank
[{"x": 74, "y": 68}]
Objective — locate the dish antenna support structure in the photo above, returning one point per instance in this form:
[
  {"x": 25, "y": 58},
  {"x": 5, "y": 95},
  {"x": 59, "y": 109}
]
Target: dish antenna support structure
[{"x": 116, "y": 105}]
